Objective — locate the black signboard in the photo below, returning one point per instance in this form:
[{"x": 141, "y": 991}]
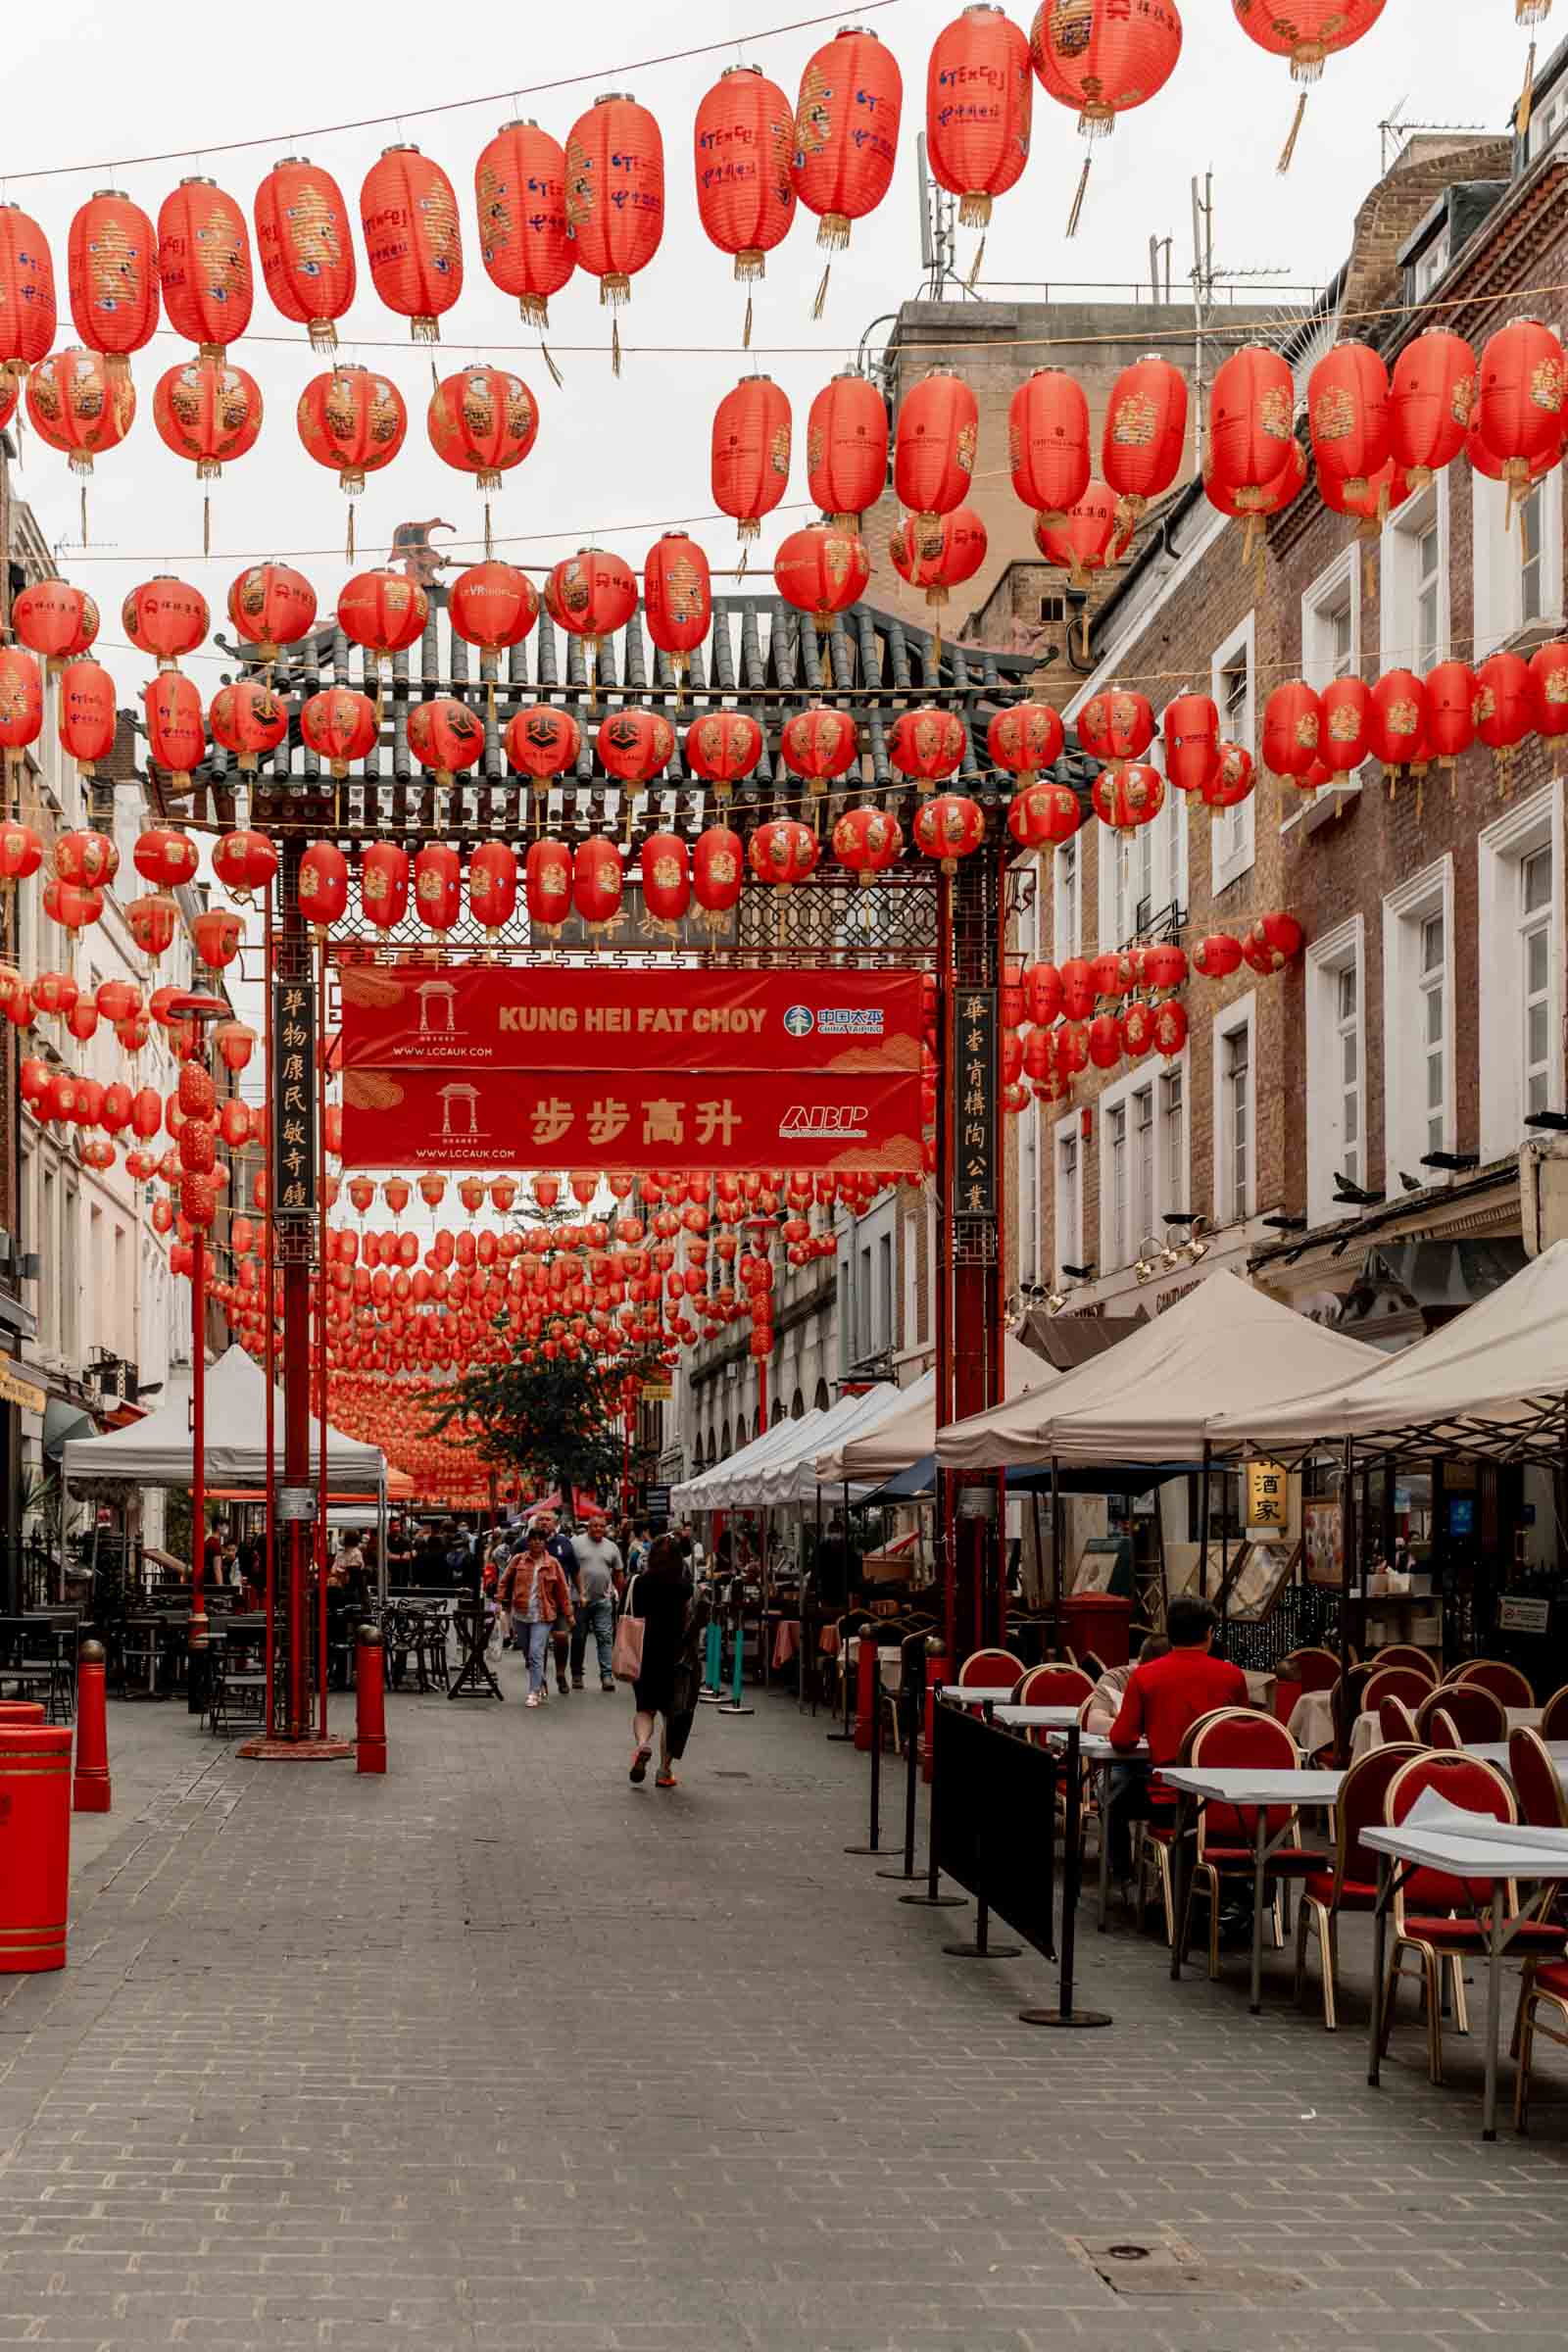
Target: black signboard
[
  {"x": 994, "y": 1816},
  {"x": 656, "y": 1504},
  {"x": 294, "y": 1142},
  {"x": 974, "y": 1103}
]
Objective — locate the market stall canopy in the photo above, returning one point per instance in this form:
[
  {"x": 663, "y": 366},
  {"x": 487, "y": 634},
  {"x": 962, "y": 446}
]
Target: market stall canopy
[
  {"x": 882, "y": 1451},
  {"x": 1495, "y": 1382},
  {"x": 765, "y": 1486},
  {"x": 797, "y": 1480},
  {"x": 1223, "y": 1348},
  {"x": 157, "y": 1451},
  {"x": 709, "y": 1491}
]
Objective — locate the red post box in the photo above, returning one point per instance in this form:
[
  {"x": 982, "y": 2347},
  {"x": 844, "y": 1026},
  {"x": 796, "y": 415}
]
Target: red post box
[{"x": 34, "y": 1846}]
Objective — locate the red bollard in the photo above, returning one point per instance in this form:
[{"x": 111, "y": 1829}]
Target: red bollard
[
  {"x": 34, "y": 1846},
  {"x": 864, "y": 1690},
  {"x": 936, "y": 1673},
  {"x": 21, "y": 1710},
  {"x": 90, "y": 1792},
  {"x": 370, "y": 1701}
]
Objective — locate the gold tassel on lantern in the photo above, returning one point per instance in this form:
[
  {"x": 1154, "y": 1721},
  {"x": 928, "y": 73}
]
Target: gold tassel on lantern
[
  {"x": 820, "y": 304},
  {"x": 1076, "y": 214},
  {"x": 1288, "y": 148},
  {"x": 556, "y": 375},
  {"x": 1522, "y": 111}
]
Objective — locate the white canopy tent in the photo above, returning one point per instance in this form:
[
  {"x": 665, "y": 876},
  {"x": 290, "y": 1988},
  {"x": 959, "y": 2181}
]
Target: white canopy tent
[
  {"x": 908, "y": 1433},
  {"x": 709, "y": 1491},
  {"x": 1225, "y": 1347},
  {"x": 157, "y": 1451},
  {"x": 1495, "y": 1381},
  {"x": 796, "y": 1481},
  {"x": 752, "y": 1490}
]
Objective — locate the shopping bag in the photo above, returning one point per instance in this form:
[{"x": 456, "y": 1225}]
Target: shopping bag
[{"x": 626, "y": 1654}]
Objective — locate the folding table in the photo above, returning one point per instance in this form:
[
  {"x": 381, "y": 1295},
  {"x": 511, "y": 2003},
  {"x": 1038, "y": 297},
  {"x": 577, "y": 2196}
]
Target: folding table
[{"x": 1242, "y": 1784}]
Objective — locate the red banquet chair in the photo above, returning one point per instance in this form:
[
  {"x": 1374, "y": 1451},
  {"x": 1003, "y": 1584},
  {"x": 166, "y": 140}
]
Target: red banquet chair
[
  {"x": 1406, "y": 1653},
  {"x": 1540, "y": 1792},
  {"x": 1441, "y": 1732},
  {"x": 1051, "y": 1685},
  {"x": 1396, "y": 1724},
  {"x": 1156, "y": 1838},
  {"x": 1227, "y": 1834},
  {"x": 1394, "y": 1682},
  {"x": 1544, "y": 1804},
  {"x": 984, "y": 1669},
  {"x": 1508, "y": 1683},
  {"x": 1475, "y": 1713},
  {"x": 1353, "y": 1882},
  {"x": 1439, "y": 1917},
  {"x": 1554, "y": 1716},
  {"x": 1314, "y": 1669}
]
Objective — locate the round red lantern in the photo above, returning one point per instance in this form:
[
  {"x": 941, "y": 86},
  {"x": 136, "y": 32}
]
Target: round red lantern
[
  {"x": 412, "y": 243},
  {"x": 1345, "y": 737},
  {"x": 21, "y": 852},
  {"x": 204, "y": 266},
  {"x": 1048, "y": 443},
  {"x": 1217, "y": 957},
  {"x": 1144, "y": 432},
  {"x": 948, "y": 826},
  {"x": 305, "y": 247},
  {"x": 80, "y": 409},
  {"x": 821, "y": 571},
  {"x": 1432, "y": 396},
  {"x": 751, "y": 452},
  {"x": 1521, "y": 384},
  {"x": 1043, "y": 993},
  {"x": 520, "y": 185},
  {"x": 339, "y": 725},
  {"x": 1103, "y": 58},
  {"x": 483, "y": 421},
  {"x": 28, "y": 311},
  {"x": 1273, "y": 942},
  {"x": 384, "y": 611},
  {"x": 323, "y": 885},
  {"x": 384, "y": 884},
  {"x": 635, "y": 746},
  {"x": 176, "y": 739},
  {"x": 1548, "y": 688},
  {"x": 979, "y": 102},
  {"x": 112, "y": 269},
  {"x": 782, "y": 852},
  {"x": 1025, "y": 740},
  {"x": 152, "y": 920},
  {"x": 52, "y": 618},
  {"x": 933, "y": 446},
  {"x": 1192, "y": 741},
  {"x": 845, "y": 135},
  {"x": 1503, "y": 704},
  {"x": 1347, "y": 416},
  {"x": 547, "y": 883},
  {"x": 543, "y": 743},
  {"x": 208, "y": 412},
  {"x": 718, "y": 866},
  {"x": 1105, "y": 1041},
  {"x": 1092, "y": 536},
  {"x": 939, "y": 556},
  {"x": 249, "y": 720},
  {"x": 1232, "y": 780},
  {"x": 445, "y": 736},
  {"x": 1127, "y": 797},
  {"x": 438, "y": 884},
  {"x": 1292, "y": 723},
  {"x": 819, "y": 744},
  {"x": 1396, "y": 719},
  {"x": 1116, "y": 724},
  {"x": 847, "y": 449},
  {"x": 165, "y": 617},
  {"x": 724, "y": 746},
  {"x": 598, "y": 881},
  {"x": 1451, "y": 713},
  {"x": 1313, "y": 31},
  {"x": 1044, "y": 814},
  {"x": 21, "y": 706},
  {"x": 354, "y": 421},
  {"x": 270, "y": 605},
  {"x": 745, "y": 136},
  {"x": 667, "y": 880},
  {"x": 677, "y": 599},
  {"x": 244, "y": 862},
  {"x": 1251, "y": 416},
  {"x": 868, "y": 841},
  {"x": 493, "y": 885},
  {"x": 615, "y": 195},
  {"x": 927, "y": 744},
  {"x": 217, "y": 936},
  {"x": 86, "y": 718},
  {"x": 492, "y": 605},
  {"x": 73, "y": 909},
  {"x": 591, "y": 595}
]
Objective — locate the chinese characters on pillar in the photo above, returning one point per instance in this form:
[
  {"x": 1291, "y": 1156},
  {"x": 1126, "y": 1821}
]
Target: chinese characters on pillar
[
  {"x": 974, "y": 1103},
  {"x": 294, "y": 1140}
]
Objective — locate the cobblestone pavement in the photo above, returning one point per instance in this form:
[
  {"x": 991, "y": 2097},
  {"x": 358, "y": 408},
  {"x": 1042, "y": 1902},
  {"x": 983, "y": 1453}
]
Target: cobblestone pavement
[{"x": 499, "y": 2054}]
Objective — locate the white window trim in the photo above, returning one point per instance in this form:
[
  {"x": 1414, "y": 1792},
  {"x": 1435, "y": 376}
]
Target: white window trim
[
  {"x": 1344, "y": 570},
  {"x": 1067, "y": 904},
  {"x": 1404, "y": 1109},
  {"x": 1170, "y": 1067},
  {"x": 1494, "y": 557},
  {"x": 1335, "y": 951},
  {"x": 1229, "y": 867},
  {"x": 1500, "y": 847},
  {"x": 1067, "y": 1130},
  {"x": 1397, "y": 583},
  {"x": 1240, "y": 1015},
  {"x": 1119, "y": 1097}
]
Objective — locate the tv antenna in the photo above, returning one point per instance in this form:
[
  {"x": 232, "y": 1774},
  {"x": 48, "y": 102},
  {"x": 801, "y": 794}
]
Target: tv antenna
[
  {"x": 1394, "y": 131},
  {"x": 938, "y": 247}
]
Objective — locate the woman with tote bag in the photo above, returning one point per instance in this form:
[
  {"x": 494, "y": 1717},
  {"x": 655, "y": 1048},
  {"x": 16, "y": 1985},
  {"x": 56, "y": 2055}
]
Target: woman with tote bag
[{"x": 656, "y": 1643}]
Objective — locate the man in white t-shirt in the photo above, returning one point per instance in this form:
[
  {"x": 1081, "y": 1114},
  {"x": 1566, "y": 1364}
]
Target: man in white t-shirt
[{"x": 599, "y": 1574}]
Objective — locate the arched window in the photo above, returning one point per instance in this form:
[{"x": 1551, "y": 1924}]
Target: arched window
[
  {"x": 796, "y": 1406},
  {"x": 723, "y": 1445},
  {"x": 820, "y": 1401}
]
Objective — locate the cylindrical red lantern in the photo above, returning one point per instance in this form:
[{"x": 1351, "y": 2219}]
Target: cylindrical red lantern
[
  {"x": 1092, "y": 538},
  {"x": 1396, "y": 718},
  {"x": 323, "y": 885},
  {"x": 1451, "y": 710},
  {"x": 52, "y": 618},
  {"x": 86, "y": 711},
  {"x": 615, "y": 195},
  {"x": 176, "y": 739},
  {"x": 520, "y": 185},
  {"x": 948, "y": 826},
  {"x": 1048, "y": 443},
  {"x": 1044, "y": 814},
  {"x": 384, "y": 611},
  {"x": 1345, "y": 738},
  {"x": 249, "y": 720},
  {"x": 718, "y": 866},
  {"x": 493, "y": 885},
  {"x": 304, "y": 246},
  {"x": 438, "y": 883},
  {"x": 1103, "y": 57},
  {"x": 412, "y": 243},
  {"x": 677, "y": 597},
  {"x": 1125, "y": 797},
  {"x": 821, "y": 571},
  {"x": 1251, "y": 417},
  {"x": 77, "y": 407},
  {"x": 483, "y": 421},
  {"x": 384, "y": 884},
  {"x": 1171, "y": 1025},
  {"x": 751, "y": 452},
  {"x": 1144, "y": 432},
  {"x": 165, "y": 617},
  {"x": 979, "y": 104},
  {"x": 204, "y": 266},
  {"x": 1521, "y": 384},
  {"x": 1548, "y": 688},
  {"x": 1116, "y": 724},
  {"x": 598, "y": 881},
  {"x": 782, "y": 852},
  {"x": 27, "y": 313},
  {"x": 743, "y": 139},
  {"x": 547, "y": 883},
  {"x": 1432, "y": 397},
  {"x": 445, "y": 736},
  {"x": 21, "y": 706},
  {"x": 339, "y": 725},
  {"x": 847, "y": 449},
  {"x": 667, "y": 880},
  {"x": 112, "y": 269},
  {"x": 1504, "y": 703},
  {"x": 1192, "y": 741},
  {"x": 845, "y": 133},
  {"x": 1348, "y": 415},
  {"x": 933, "y": 446},
  {"x": 1293, "y": 725}
]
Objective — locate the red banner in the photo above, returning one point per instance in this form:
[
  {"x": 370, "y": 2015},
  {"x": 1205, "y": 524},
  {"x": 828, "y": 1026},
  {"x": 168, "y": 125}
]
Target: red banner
[
  {"x": 631, "y": 1120},
  {"x": 575, "y": 1018}
]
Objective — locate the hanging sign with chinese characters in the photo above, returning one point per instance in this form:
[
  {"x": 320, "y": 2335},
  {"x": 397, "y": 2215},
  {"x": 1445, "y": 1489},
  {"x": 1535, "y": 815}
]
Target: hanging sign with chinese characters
[
  {"x": 1267, "y": 1494},
  {"x": 294, "y": 1191},
  {"x": 974, "y": 1103}
]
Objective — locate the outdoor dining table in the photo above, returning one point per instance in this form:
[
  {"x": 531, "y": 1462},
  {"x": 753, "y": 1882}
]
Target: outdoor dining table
[
  {"x": 980, "y": 1695},
  {"x": 1493, "y": 1752},
  {"x": 1496, "y": 1850},
  {"x": 1311, "y": 1725},
  {"x": 1242, "y": 1784}
]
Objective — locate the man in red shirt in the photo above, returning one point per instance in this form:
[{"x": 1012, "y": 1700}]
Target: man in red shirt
[{"x": 1163, "y": 1701}]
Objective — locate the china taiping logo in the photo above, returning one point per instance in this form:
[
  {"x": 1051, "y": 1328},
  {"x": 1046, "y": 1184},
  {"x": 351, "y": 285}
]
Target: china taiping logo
[{"x": 800, "y": 1020}]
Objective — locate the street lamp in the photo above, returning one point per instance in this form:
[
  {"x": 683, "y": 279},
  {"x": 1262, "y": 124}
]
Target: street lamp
[{"x": 196, "y": 1008}]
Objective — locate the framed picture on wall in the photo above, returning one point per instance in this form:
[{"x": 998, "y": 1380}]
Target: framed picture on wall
[{"x": 1323, "y": 1535}]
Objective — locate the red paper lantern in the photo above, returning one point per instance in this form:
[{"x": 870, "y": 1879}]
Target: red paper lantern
[
  {"x": 249, "y": 720},
  {"x": 933, "y": 446},
  {"x": 204, "y": 266},
  {"x": 1162, "y": 966},
  {"x": 1432, "y": 397},
  {"x": 667, "y": 880},
  {"x": 483, "y": 421},
  {"x": 384, "y": 611},
  {"x": 384, "y": 884},
  {"x": 437, "y": 883},
  {"x": 1116, "y": 725},
  {"x": 77, "y": 407},
  {"x": 21, "y": 706},
  {"x": 948, "y": 826},
  {"x": 176, "y": 739},
  {"x": 979, "y": 104},
  {"x": 718, "y": 866},
  {"x": 1093, "y": 537},
  {"x": 1025, "y": 739},
  {"x": 1044, "y": 814},
  {"x": 52, "y": 618},
  {"x": 547, "y": 883},
  {"x": 112, "y": 269},
  {"x": 305, "y": 248},
  {"x": 1072, "y": 1048},
  {"x": 821, "y": 571},
  {"x": 412, "y": 243},
  {"x": 1217, "y": 957},
  {"x": 597, "y": 881},
  {"x": 1273, "y": 942},
  {"x": 615, "y": 193},
  {"x": 1048, "y": 443},
  {"x": 1192, "y": 741},
  {"x": 635, "y": 746},
  {"x": 339, "y": 725},
  {"x": 868, "y": 841},
  {"x": 1233, "y": 778},
  {"x": 1345, "y": 738},
  {"x": 216, "y": 935},
  {"x": 821, "y": 744},
  {"x": 73, "y": 909},
  {"x": 445, "y": 736},
  {"x": 86, "y": 711},
  {"x": 845, "y": 133},
  {"x": 153, "y": 920},
  {"x": 354, "y": 421},
  {"x": 1105, "y": 1041},
  {"x": 591, "y": 595},
  {"x": 1292, "y": 723},
  {"x": 1504, "y": 703},
  {"x": 1396, "y": 718},
  {"x": 520, "y": 185},
  {"x": 847, "y": 449},
  {"x": 1347, "y": 416},
  {"x": 1253, "y": 506},
  {"x": 927, "y": 744},
  {"x": 1548, "y": 688},
  {"x": 939, "y": 556},
  {"x": 1170, "y": 1026},
  {"x": 782, "y": 852},
  {"x": 208, "y": 412},
  {"x": 677, "y": 599},
  {"x": 1451, "y": 713},
  {"x": 21, "y": 850},
  {"x": 751, "y": 452},
  {"x": 165, "y": 617},
  {"x": 1144, "y": 432},
  {"x": 270, "y": 605},
  {"x": 1313, "y": 29},
  {"x": 244, "y": 862},
  {"x": 1251, "y": 416},
  {"x": 493, "y": 885},
  {"x": 1521, "y": 385},
  {"x": 745, "y": 136},
  {"x": 27, "y": 313},
  {"x": 724, "y": 746},
  {"x": 492, "y": 605},
  {"x": 235, "y": 1044},
  {"x": 1043, "y": 993},
  {"x": 1103, "y": 57},
  {"x": 1125, "y": 797},
  {"x": 323, "y": 885},
  {"x": 542, "y": 743}
]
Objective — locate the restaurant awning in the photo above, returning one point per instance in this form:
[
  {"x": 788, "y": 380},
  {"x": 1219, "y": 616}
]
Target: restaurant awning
[
  {"x": 881, "y": 1450},
  {"x": 157, "y": 1450},
  {"x": 710, "y": 1490}
]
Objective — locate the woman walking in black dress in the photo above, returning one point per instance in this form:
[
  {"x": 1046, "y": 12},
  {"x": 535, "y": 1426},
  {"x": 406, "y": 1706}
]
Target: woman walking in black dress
[{"x": 666, "y": 1687}]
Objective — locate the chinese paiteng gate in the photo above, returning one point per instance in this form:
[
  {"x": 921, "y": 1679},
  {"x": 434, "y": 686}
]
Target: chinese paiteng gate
[{"x": 399, "y": 1015}]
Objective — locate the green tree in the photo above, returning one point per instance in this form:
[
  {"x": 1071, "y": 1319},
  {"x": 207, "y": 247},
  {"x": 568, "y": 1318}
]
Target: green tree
[{"x": 558, "y": 1421}]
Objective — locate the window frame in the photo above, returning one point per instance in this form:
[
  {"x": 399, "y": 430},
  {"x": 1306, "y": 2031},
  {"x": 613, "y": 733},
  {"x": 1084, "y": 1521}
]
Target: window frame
[
  {"x": 1233, "y": 835},
  {"x": 1237, "y": 1017},
  {"x": 1405, "y": 911},
  {"x": 1339, "y": 581},
  {"x": 1327, "y": 958},
  {"x": 1067, "y": 901},
  {"x": 1399, "y": 582},
  {"x": 1066, "y": 1131},
  {"x": 1502, "y": 848},
  {"x": 1176, "y": 1070},
  {"x": 1498, "y": 580}
]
